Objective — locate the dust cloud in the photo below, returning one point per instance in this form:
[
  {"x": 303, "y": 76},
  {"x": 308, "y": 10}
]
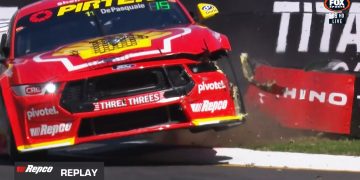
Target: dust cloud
[{"x": 257, "y": 131}]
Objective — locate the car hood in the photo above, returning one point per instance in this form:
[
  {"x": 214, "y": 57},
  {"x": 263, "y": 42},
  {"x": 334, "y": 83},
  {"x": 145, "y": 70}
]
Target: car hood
[{"x": 116, "y": 49}]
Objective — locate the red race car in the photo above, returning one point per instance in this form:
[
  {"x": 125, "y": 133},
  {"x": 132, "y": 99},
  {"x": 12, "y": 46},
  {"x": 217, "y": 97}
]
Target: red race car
[{"x": 79, "y": 71}]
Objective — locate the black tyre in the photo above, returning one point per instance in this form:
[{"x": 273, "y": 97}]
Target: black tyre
[
  {"x": 6, "y": 131},
  {"x": 232, "y": 72},
  {"x": 232, "y": 69}
]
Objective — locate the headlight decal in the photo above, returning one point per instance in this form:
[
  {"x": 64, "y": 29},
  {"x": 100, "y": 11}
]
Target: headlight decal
[{"x": 38, "y": 89}]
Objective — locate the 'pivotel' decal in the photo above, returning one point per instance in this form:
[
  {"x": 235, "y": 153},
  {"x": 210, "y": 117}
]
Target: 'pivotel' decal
[
  {"x": 35, "y": 113},
  {"x": 209, "y": 106},
  {"x": 211, "y": 86}
]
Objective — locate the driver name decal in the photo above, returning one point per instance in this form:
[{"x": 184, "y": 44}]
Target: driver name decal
[{"x": 122, "y": 8}]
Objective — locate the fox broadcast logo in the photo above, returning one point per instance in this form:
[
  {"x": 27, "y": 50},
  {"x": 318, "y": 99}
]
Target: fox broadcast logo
[{"x": 337, "y": 5}]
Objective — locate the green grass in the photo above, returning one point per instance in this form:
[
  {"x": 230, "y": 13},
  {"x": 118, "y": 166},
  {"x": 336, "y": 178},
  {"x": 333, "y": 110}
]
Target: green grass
[{"x": 316, "y": 145}]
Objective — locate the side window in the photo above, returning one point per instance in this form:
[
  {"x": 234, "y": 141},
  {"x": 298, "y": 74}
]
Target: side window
[{"x": 6, "y": 45}]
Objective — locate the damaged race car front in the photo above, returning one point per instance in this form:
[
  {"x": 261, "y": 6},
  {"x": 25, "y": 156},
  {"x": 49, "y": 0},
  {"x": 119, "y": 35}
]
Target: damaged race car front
[{"x": 97, "y": 70}]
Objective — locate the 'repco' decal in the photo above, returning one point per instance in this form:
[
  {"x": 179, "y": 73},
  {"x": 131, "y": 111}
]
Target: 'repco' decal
[
  {"x": 209, "y": 106},
  {"x": 50, "y": 130}
]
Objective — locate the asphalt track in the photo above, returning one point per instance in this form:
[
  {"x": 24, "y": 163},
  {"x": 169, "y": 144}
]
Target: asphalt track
[{"x": 140, "y": 160}]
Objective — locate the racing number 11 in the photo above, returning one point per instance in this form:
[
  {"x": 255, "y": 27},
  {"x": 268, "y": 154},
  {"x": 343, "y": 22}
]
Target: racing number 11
[{"x": 90, "y": 13}]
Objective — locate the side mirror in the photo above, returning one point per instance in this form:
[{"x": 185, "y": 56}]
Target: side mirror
[
  {"x": 207, "y": 11},
  {"x": 3, "y": 50}
]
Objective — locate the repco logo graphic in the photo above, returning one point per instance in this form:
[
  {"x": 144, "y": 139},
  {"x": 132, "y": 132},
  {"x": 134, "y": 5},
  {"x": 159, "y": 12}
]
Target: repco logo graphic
[
  {"x": 337, "y": 5},
  {"x": 52, "y": 130},
  {"x": 207, "y": 106},
  {"x": 31, "y": 169}
]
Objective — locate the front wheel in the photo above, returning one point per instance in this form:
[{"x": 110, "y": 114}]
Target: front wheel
[
  {"x": 229, "y": 68},
  {"x": 7, "y": 133}
]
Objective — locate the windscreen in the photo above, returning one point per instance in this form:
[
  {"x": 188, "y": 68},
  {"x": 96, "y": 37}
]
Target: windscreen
[{"x": 48, "y": 29}]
